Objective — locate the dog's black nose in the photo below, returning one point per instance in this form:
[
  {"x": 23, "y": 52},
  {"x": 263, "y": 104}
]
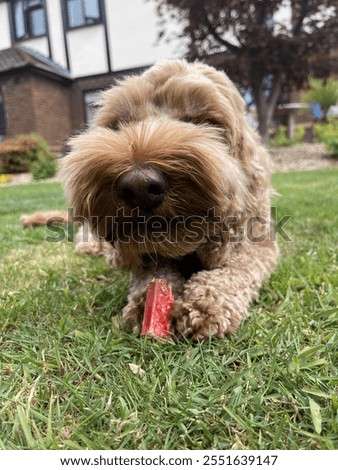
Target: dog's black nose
[{"x": 143, "y": 186}]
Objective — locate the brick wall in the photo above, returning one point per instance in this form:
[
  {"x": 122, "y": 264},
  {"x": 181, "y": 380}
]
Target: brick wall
[
  {"x": 18, "y": 101},
  {"x": 52, "y": 110},
  {"x": 34, "y": 103}
]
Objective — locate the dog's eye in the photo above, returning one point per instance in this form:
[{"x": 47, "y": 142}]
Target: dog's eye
[
  {"x": 114, "y": 126},
  {"x": 212, "y": 122},
  {"x": 190, "y": 120},
  {"x": 201, "y": 120}
]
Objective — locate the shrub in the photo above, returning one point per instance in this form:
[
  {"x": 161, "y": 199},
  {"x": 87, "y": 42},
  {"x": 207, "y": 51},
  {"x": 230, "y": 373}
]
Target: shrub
[
  {"x": 326, "y": 130},
  {"x": 299, "y": 135},
  {"x": 24, "y": 152},
  {"x": 43, "y": 168},
  {"x": 17, "y": 154},
  {"x": 332, "y": 146},
  {"x": 281, "y": 139}
]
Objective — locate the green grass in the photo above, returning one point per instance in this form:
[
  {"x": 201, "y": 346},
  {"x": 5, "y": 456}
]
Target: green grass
[{"x": 65, "y": 380}]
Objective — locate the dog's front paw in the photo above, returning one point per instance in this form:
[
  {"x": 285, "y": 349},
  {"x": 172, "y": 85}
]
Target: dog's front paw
[{"x": 204, "y": 312}]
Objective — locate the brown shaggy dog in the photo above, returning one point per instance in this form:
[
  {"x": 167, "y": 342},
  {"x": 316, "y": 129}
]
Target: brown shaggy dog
[{"x": 176, "y": 183}]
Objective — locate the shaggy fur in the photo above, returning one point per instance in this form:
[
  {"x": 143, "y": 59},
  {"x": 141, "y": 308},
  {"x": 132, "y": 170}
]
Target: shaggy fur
[{"x": 216, "y": 243}]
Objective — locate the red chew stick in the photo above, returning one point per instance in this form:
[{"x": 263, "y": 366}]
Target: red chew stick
[{"x": 159, "y": 302}]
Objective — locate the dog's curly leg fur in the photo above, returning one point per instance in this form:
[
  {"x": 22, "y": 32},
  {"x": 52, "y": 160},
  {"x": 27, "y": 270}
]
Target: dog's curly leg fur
[{"x": 216, "y": 301}]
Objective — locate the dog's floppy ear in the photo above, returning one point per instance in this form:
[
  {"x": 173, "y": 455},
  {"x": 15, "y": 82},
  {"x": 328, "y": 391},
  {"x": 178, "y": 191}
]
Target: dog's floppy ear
[{"x": 232, "y": 108}]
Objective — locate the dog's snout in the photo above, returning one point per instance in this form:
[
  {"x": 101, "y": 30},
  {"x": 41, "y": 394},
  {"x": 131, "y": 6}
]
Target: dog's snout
[{"x": 142, "y": 187}]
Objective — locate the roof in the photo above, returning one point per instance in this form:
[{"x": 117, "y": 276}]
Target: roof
[{"x": 19, "y": 57}]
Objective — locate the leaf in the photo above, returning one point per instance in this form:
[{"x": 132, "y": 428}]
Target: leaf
[
  {"x": 309, "y": 352},
  {"x": 316, "y": 415},
  {"x": 136, "y": 370},
  {"x": 79, "y": 334},
  {"x": 25, "y": 426}
]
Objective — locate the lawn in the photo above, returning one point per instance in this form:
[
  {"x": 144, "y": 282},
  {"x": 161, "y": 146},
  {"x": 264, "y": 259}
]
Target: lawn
[{"x": 65, "y": 376}]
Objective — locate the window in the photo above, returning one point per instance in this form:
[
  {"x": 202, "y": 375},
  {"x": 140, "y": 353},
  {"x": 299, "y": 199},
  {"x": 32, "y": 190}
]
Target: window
[
  {"x": 2, "y": 113},
  {"x": 29, "y": 18},
  {"x": 82, "y": 12},
  {"x": 90, "y": 101}
]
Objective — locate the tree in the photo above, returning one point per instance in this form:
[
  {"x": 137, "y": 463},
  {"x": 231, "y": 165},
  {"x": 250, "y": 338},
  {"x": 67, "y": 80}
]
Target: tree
[{"x": 266, "y": 46}]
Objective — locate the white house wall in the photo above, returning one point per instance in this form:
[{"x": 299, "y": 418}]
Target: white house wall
[
  {"x": 132, "y": 33},
  {"x": 5, "y": 35},
  {"x": 86, "y": 49},
  {"x": 56, "y": 32},
  {"x": 132, "y": 28},
  {"x": 38, "y": 44}
]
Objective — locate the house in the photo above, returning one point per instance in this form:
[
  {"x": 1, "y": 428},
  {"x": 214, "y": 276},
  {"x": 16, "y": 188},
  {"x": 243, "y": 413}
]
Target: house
[{"x": 56, "y": 55}]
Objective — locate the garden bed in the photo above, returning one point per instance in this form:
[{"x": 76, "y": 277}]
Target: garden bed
[{"x": 301, "y": 157}]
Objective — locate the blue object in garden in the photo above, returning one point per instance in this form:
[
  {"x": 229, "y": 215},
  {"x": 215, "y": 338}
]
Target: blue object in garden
[{"x": 317, "y": 110}]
